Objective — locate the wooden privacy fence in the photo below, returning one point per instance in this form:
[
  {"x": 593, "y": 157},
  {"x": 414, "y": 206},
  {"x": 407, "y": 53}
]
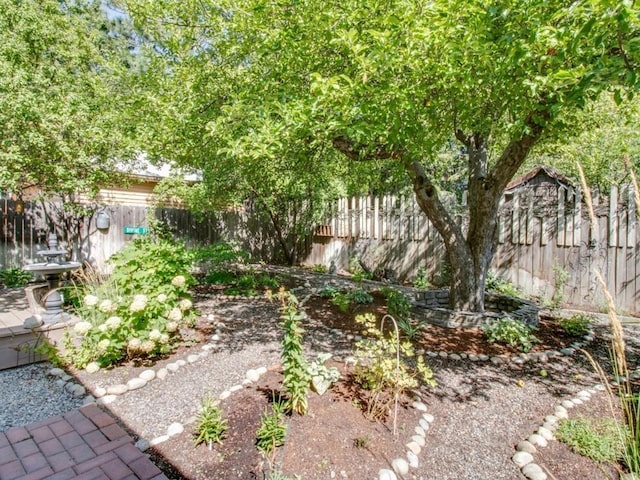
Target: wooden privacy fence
[
  {"x": 22, "y": 235},
  {"x": 544, "y": 234},
  {"x": 546, "y": 240}
]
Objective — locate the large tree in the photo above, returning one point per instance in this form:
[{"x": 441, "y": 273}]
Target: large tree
[
  {"x": 63, "y": 94},
  {"x": 394, "y": 82}
]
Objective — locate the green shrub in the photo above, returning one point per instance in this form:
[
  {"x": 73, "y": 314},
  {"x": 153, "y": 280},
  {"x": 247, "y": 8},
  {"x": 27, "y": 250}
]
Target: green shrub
[
  {"x": 359, "y": 296},
  {"x": 319, "y": 268},
  {"x": 398, "y": 304},
  {"x": 247, "y": 284},
  {"x": 345, "y": 301},
  {"x": 379, "y": 371},
  {"x": 342, "y": 301},
  {"x": 601, "y": 439},
  {"x": 137, "y": 311},
  {"x": 421, "y": 279},
  {"x": 220, "y": 277},
  {"x": 328, "y": 291},
  {"x": 15, "y": 277},
  {"x": 511, "y": 332},
  {"x": 577, "y": 325},
  {"x": 502, "y": 286},
  {"x": 220, "y": 254},
  {"x": 210, "y": 426}
]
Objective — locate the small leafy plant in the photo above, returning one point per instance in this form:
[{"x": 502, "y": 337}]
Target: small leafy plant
[
  {"x": 247, "y": 284},
  {"x": 361, "y": 442},
  {"x": 502, "y": 286},
  {"x": 398, "y": 304},
  {"x": 382, "y": 368},
  {"x": 421, "y": 280},
  {"x": 411, "y": 329},
  {"x": 601, "y": 440},
  {"x": 359, "y": 296},
  {"x": 576, "y": 325},
  {"x": 295, "y": 383},
  {"x": 210, "y": 426},
  {"x": 322, "y": 376},
  {"x": 512, "y": 332},
  {"x": 15, "y": 277},
  {"x": 342, "y": 301},
  {"x": 346, "y": 301},
  {"x": 328, "y": 291},
  {"x": 272, "y": 430}
]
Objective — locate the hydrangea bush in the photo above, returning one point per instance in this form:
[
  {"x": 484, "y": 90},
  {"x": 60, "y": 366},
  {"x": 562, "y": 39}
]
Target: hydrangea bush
[{"x": 138, "y": 311}]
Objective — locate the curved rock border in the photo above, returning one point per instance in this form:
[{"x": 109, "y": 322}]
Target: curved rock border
[
  {"x": 525, "y": 449},
  {"x": 520, "y": 358},
  {"x": 400, "y": 465}
]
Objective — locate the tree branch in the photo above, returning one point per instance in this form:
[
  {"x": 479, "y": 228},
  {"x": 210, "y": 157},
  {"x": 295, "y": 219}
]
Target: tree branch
[
  {"x": 516, "y": 153},
  {"x": 429, "y": 202},
  {"x": 355, "y": 151}
]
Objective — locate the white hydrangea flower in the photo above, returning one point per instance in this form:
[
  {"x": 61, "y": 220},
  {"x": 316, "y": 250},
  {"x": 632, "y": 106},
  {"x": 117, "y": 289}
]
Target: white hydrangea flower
[
  {"x": 113, "y": 322},
  {"x": 104, "y": 344},
  {"x": 178, "y": 281},
  {"x": 134, "y": 344},
  {"x": 147, "y": 346},
  {"x": 82, "y": 328},
  {"x": 164, "y": 339},
  {"x": 90, "y": 300},
  {"x": 171, "y": 327},
  {"x": 103, "y": 327},
  {"x": 185, "y": 304},
  {"x": 139, "y": 303},
  {"x": 162, "y": 298},
  {"x": 107, "y": 306},
  {"x": 175, "y": 314},
  {"x": 155, "y": 335},
  {"x": 92, "y": 367}
]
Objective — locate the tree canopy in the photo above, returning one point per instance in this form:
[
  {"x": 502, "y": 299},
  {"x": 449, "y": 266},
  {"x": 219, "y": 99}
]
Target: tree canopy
[
  {"x": 606, "y": 135},
  {"x": 63, "y": 66},
  {"x": 393, "y": 83}
]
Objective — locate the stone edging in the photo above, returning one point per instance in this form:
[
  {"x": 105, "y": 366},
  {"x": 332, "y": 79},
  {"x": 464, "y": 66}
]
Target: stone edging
[
  {"x": 525, "y": 449},
  {"x": 400, "y": 465},
  {"x": 520, "y": 358}
]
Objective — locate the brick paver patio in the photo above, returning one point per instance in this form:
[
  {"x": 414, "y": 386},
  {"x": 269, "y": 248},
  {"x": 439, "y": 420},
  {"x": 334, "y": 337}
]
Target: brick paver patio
[{"x": 84, "y": 444}]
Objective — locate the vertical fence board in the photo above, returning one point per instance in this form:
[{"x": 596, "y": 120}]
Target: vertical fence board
[{"x": 613, "y": 217}]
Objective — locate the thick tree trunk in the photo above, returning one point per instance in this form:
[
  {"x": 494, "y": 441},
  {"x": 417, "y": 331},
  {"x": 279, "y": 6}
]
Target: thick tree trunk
[
  {"x": 468, "y": 272},
  {"x": 469, "y": 254}
]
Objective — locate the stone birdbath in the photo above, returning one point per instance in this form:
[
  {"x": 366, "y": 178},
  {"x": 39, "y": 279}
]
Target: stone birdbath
[{"x": 52, "y": 269}]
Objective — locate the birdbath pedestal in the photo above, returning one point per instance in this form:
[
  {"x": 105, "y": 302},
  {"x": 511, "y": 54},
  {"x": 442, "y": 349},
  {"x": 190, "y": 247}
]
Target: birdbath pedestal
[{"x": 52, "y": 270}]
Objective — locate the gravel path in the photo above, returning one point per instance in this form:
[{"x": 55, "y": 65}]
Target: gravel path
[
  {"x": 28, "y": 395},
  {"x": 482, "y": 411}
]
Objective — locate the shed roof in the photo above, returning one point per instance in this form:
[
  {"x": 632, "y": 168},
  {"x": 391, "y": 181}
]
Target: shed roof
[{"x": 540, "y": 169}]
